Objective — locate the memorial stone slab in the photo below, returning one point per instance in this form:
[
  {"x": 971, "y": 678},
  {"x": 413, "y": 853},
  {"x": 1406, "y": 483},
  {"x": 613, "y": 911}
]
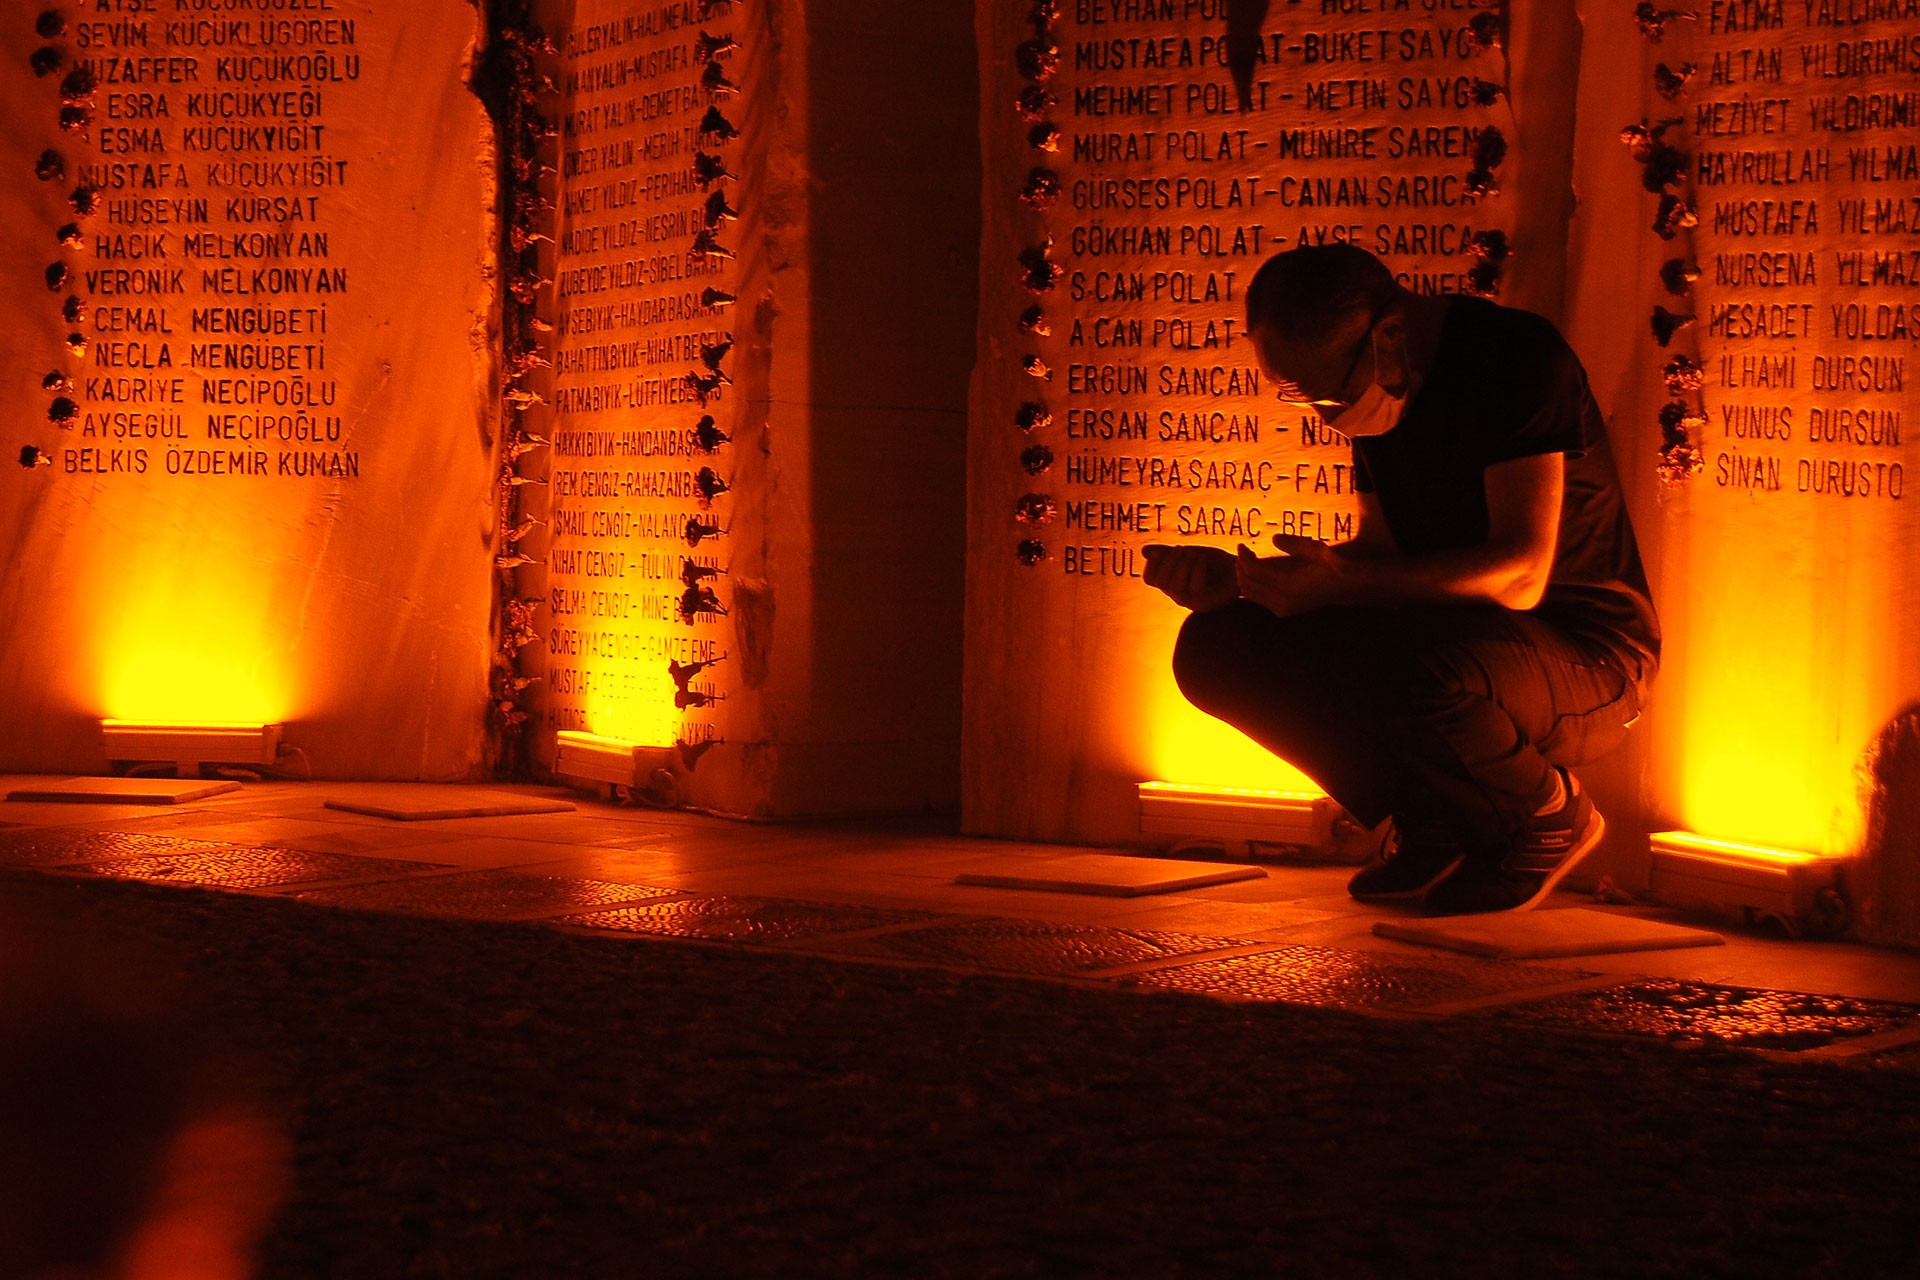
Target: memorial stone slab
[
  {"x": 248, "y": 283},
  {"x": 1142, "y": 161}
]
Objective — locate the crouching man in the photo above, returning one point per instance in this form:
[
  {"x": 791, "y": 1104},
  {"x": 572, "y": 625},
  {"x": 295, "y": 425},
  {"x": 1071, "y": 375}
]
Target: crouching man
[{"x": 1488, "y": 626}]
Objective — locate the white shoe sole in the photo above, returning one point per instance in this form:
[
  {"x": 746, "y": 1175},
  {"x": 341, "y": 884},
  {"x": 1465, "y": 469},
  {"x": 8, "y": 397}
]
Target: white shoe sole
[{"x": 1586, "y": 846}]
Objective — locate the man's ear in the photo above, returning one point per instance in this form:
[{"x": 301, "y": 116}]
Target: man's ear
[{"x": 1392, "y": 366}]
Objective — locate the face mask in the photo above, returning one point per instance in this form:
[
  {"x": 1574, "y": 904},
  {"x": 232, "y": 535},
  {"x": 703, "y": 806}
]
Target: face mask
[{"x": 1374, "y": 413}]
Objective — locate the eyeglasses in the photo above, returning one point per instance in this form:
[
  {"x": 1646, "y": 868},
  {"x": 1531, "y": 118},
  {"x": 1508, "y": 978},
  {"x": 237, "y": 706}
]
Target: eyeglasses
[{"x": 1360, "y": 349}]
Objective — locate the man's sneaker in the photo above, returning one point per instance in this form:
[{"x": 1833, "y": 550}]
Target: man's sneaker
[
  {"x": 1421, "y": 854},
  {"x": 1543, "y": 853}
]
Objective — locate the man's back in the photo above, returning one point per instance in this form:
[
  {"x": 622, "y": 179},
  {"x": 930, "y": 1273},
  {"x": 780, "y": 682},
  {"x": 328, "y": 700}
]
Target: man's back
[{"x": 1505, "y": 385}]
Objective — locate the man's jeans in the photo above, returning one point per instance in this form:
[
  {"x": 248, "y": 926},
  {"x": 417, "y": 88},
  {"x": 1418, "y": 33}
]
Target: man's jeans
[{"x": 1435, "y": 713}]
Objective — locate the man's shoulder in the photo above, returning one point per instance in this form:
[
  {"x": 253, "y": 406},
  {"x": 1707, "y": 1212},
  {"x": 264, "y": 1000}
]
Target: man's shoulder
[
  {"x": 1501, "y": 368},
  {"x": 1500, "y": 323},
  {"x": 1518, "y": 352}
]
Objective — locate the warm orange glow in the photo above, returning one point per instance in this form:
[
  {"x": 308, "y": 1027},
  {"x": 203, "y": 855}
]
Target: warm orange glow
[
  {"x": 1191, "y": 747},
  {"x": 192, "y": 646},
  {"x": 1781, "y": 665},
  {"x": 630, "y": 700},
  {"x": 1786, "y": 585}
]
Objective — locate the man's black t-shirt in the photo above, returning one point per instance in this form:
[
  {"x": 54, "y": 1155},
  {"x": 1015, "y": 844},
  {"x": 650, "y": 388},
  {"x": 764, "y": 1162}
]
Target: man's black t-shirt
[{"x": 1505, "y": 385}]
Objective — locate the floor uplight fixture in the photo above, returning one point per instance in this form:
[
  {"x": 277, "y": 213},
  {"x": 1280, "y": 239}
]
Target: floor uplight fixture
[
  {"x": 644, "y": 771},
  {"x": 592, "y": 758},
  {"x": 189, "y": 744},
  {"x": 1792, "y": 888},
  {"x": 1186, "y": 812}
]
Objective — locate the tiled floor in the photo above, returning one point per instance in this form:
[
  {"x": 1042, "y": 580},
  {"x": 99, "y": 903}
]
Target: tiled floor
[{"x": 883, "y": 892}]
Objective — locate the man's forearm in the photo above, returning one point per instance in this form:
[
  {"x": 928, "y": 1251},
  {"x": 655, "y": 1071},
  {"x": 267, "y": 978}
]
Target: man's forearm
[
  {"x": 1509, "y": 567},
  {"x": 1484, "y": 574}
]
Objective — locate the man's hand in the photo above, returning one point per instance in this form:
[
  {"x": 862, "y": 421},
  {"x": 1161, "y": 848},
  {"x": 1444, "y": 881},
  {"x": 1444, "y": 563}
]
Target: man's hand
[
  {"x": 1197, "y": 578},
  {"x": 1306, "y": 575}
]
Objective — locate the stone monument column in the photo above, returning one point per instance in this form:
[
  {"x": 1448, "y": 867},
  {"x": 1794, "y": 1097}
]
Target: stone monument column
[
  {"x": 758, "y": 220},
  {"x": 250, "y": 454},
  {"x": 1747, "y": 252}
]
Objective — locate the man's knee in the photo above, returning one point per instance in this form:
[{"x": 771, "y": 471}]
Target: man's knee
[
  {"x": 1210, "y": 656},
  {"x": 1224, "y": 654}
]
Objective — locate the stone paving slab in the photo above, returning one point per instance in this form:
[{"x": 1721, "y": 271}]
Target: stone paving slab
[
  {"x": 486, "y": 895},
  {"x": 1032, "y": 947},
  {"x": 241, "y": 867},
  {"x": 414, "y": 804},
  {"x": 1704, "y": 1013},
  {"x": 1107, "y": 875},
  {"x": 1541, "y": 935},
  {"x": 585, "y": 832},
  {"x": 744, "y": 919},
  {"x": 123, "y": 790},
  {"x": 54, "y": 846},
  {"x": 1193, "y": 914},
  {"x": 1351, "y": 979},
  {"x": 427, "y": 808}
]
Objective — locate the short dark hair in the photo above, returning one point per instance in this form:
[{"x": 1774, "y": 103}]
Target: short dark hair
[{"x": 1313, "y": 291}]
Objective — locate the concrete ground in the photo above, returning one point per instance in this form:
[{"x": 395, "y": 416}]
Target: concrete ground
[
  {"x": 616, "y": 1042},
  {"x": 896, "y": 865},
  {"x": 886, "y": 893}
]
